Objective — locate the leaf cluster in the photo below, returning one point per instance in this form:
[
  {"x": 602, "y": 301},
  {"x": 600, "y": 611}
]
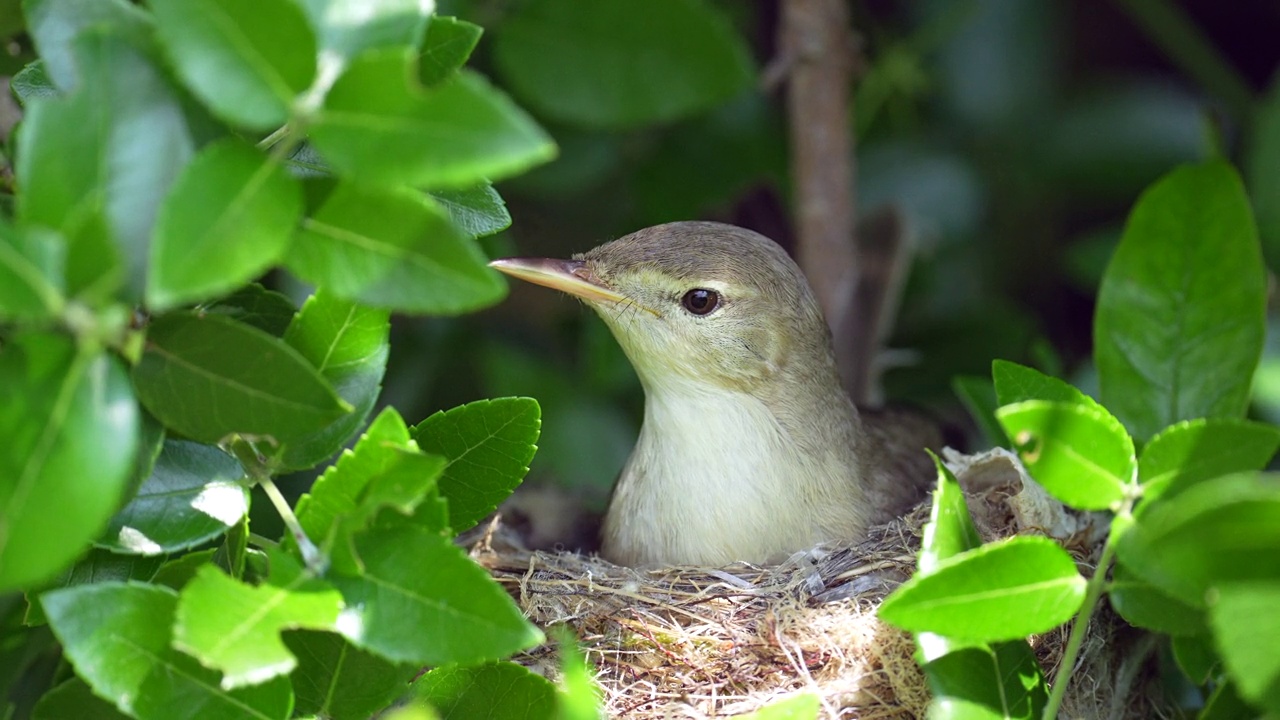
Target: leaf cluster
[
  {"x": 1166, "y": 451},
  {"x": 169, "y": 155}
]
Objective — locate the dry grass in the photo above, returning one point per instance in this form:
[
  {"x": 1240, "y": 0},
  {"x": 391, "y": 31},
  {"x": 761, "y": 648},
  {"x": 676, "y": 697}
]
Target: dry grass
[{"x": 702, "y": 642}]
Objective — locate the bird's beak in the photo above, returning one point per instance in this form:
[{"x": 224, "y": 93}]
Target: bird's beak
[{"x": 567, "y": 276}]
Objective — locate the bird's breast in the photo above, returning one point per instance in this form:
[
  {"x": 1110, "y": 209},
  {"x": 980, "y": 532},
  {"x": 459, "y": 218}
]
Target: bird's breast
[{"x": 715, "y": 478}]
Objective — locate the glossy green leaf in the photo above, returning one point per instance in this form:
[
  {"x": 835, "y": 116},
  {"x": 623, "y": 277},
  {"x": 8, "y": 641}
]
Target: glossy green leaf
[
  {"x": 194, "y": 494},
  {"x": 492, "y": 690},
  {"x": 394, "y": 249},
  {"x": 179, "y": 571},
  {"x": 54, "y": 25},
  {"x": 96, "y": 164},
  {"x": 1003, "y": 678},
  {"x": 348, "y": 344},
  {"x": 488, "y": 445},
  {"x": 74, "y": 699},
  {"x": 117, "y": 636},
  {"x": 378, "y": 128},
  {"x": 31, "y": 273},
  {"x": 234, "y": 627},
  {"x": 445, "y": 48},
  {"x": 228, "y": 219},
  {"x": 476, "y": 211},
  {"x": 208, "y": 376},
  {"x": 997, "y": 682},
  {"x": 421, "y": 599},
  {"x": 1262, "y": 172},
  {"x": 1015, "y": 383},
  {"x": 70, "y": 427},
  {"x": 1195, "y": 450},
  {"x": 1001, "y": 591},
  {"x": 1182, "y": 300},
  {"x": 979, "y": 397},
  {"x": 346, "y": 28},
  {"x": 1218, "y": 531},
  {"x": 384, "y": 469},
  {"x": 1246, "y": 628},
  {"x": 1079, "y": 453},
  {"x": 1147, "y": 606},
  {"x": 95, "y": 566},
  {"x": 604, "y": 64},
  {"x": 32, "y": 82},
  {"x": 334, "y": 679},
  {"x": 246, "y": 59},
  {"x": 255, "y": 305}
]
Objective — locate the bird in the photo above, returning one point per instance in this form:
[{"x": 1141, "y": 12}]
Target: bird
[{"x": 749, "y": 449}]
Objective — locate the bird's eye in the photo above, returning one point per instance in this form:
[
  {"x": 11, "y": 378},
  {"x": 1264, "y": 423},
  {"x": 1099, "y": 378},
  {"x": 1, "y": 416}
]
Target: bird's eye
[{"x": 700, "y": 301}]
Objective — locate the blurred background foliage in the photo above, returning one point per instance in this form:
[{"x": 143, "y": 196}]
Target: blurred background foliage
[{"x": 1012, "y": 135}]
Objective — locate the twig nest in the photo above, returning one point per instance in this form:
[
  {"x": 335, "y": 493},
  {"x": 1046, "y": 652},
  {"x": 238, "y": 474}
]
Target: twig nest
[{"x": 694, "y": 642}]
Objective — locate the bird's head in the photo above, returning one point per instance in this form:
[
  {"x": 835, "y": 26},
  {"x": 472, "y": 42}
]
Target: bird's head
[{"x": 699, "y": 301}]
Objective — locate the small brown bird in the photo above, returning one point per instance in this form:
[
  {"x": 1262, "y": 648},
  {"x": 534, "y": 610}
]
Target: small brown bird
[{"x": 750, "y": 449}]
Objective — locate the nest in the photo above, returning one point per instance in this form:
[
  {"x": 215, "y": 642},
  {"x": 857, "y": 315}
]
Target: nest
[{"x": 715, "y": 642}]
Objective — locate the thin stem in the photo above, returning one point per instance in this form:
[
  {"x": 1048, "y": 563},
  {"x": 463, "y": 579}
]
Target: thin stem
[
  {"x": 275, "y": 136},
  {"x": 311, "y": 554},
  {"x": 1093, "y": 592}
]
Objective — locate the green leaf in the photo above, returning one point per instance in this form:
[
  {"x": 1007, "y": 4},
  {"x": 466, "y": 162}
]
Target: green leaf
[
  {"x": 70, "y": 427},
  {"x": 96, "y": 164},
  {"x": 1015, "y": 383},
  {"x": 233, "y": 627},
  {"x": 208, "y": 376},
  {"x": 804, "y": 706},
  {"x": 229, "y": 217},
  {"x": 55, "y": 25},
  {"x": 31, "y": 82},
  {"x": 984, "y": 682},
  {"x": 346, "y": 28},
  {"x": 604, "y": 64},
  {"x": 179, "y": 571},
  {"x": 1262, "y": 172},
  {"x": 579, "y": 697},
  {"x": 1001, "y": 591},
  {"x": 385, "y": 468},
  {"x": 194, "y": 494},
  {"x": 1246, "y": 627},
  {"x": 1079, "y": 453},
  {"x": 1216, "y": 531},
  {"x": 95, "y": 566},
  {"x": 255, "y": 305},
  {"x": 31, "y": 273},
  {"x": 394, "y": 249},
  {"x": 488, "y": 445},
  {"x": 1195, "y": 450},
  {"x": 117, "y": 636},
  {"x": 1183, "y": 299},
  {"x": 74, "y": 699},
  {"x": 445, "y": 48},
  {"x": 422, "y": 600},
  {"x": 949, "y": 532},
  {"x": 348, "y": 344},
  {"x": 377, "y": 128},
  {"x": 336, "y": 680},
  {"x": 979, "y": 397},
  {"x": 1225, "y": 704},
  {"x": 1195, "y": 657},
  {"x": 476, "y": 211},
  {"x": 246, "y": 59},
  {"x": 1147, "y": 606},
  {"x": 493, "y": 690}
]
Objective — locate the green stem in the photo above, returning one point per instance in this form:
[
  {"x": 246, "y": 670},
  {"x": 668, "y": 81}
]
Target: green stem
[
  {"x": 1093, "y": 592},
  {"x": 311, "y": 554},
  {"x": 1170, "y": 28}
]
